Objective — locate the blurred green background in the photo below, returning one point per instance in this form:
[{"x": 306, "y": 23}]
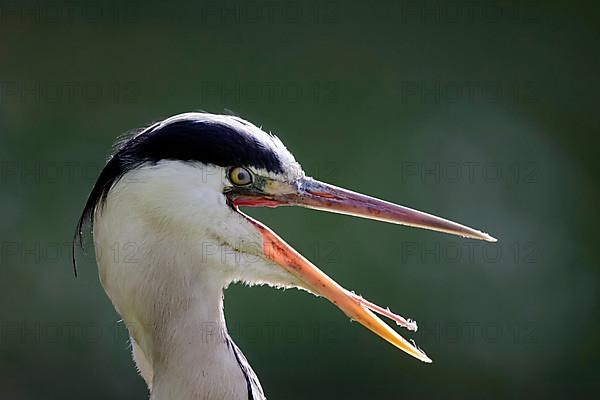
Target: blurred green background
[{"x": 482, "y": 112}]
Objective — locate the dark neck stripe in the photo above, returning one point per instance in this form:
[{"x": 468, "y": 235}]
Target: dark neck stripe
[{"x": 245, "y": 368}]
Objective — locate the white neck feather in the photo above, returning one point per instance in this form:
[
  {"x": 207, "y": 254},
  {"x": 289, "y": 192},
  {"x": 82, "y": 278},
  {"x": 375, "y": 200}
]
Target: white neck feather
[
  {"x": 192, "y": 356},
  {"x": 167, "y": 280}
]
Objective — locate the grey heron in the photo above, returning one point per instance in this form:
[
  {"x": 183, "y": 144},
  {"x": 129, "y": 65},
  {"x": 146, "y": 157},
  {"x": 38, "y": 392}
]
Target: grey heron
[{"x": 174, "y": 190}]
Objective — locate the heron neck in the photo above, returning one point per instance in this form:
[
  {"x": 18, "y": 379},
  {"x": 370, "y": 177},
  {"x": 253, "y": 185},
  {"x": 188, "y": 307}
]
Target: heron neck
[{"x": 193, "y": 356}]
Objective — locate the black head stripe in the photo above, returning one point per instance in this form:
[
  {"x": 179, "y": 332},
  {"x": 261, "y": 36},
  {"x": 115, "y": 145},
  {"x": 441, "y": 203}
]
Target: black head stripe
[
  {"x": 208, "y": 141},
  {"x": 220, "y": 140}
]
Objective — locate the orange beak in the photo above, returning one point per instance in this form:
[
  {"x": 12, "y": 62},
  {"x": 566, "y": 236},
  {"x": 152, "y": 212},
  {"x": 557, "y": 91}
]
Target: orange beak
[{"x": 321, "y": 196}]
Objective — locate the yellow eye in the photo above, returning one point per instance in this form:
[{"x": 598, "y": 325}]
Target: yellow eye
[{"x": 240, "y": 176}]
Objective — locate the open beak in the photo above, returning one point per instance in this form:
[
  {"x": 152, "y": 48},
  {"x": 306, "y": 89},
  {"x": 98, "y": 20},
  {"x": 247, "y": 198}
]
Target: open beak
[{"x": 310, "y": 193}]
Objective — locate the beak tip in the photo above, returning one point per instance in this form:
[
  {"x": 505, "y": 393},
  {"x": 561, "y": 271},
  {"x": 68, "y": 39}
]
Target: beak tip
[{"x": 489, "y": 238}]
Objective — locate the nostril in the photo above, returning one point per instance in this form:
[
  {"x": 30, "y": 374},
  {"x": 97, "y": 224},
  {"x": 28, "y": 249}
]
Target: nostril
[{"x": 324, "y": 194}]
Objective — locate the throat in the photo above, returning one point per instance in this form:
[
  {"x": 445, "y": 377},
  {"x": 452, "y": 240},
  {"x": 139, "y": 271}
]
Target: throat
[{"x": 192, "y": 355}]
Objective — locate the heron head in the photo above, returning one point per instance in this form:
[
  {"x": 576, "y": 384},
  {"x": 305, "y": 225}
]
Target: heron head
[{"x": 185, "y": 179}]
